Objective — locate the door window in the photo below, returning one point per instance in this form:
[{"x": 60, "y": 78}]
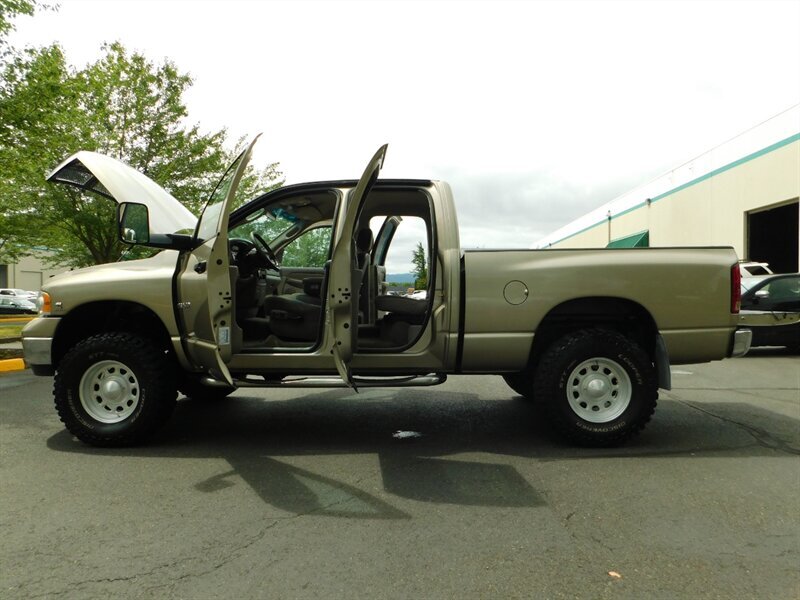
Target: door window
[
  {"x": 782, "y": 293},
  {"x": 209, "y": 219},
  {"x": 407, "y": 259}
]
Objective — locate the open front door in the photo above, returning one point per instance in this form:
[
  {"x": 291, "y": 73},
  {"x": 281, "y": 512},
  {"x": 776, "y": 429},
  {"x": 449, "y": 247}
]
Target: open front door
[
  {"x": 205, "y": 287},
  {"x": 341, "y": 316}
]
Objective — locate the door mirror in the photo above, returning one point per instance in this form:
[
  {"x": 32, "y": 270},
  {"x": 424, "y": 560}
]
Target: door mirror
[
  {"x": 134, "y": 223},
  {"x": 762, "y": 294}
]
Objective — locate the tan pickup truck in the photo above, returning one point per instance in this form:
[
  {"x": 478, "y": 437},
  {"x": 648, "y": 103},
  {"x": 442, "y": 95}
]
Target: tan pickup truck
[{"x": 230, "y": 302}]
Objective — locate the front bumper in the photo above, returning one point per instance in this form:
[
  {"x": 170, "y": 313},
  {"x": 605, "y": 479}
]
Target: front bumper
[
  {"x": 37, "y": 344},
  {"x": 37, "y": 351}
]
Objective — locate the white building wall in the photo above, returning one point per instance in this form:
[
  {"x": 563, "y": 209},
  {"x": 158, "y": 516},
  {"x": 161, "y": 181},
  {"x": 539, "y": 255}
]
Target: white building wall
[
  {"x": 705, "y": 201},
  {"x": 30, "y": 273}
]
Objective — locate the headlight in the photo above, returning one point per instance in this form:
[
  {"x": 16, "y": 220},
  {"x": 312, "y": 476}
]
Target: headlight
[{"x": 43, "y": 303}]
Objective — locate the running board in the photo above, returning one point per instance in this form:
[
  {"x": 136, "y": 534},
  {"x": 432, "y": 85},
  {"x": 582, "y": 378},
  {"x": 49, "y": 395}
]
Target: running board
[{"x": 334, "y": 381}]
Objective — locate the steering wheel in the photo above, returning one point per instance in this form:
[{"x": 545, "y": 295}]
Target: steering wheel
[{"x": 265, "y": 252}]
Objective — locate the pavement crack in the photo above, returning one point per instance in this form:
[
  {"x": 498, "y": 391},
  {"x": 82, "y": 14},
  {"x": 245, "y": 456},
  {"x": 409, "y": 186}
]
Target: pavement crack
[
  {"x": 232, "y": 555},
  {"x": 762, "y": 437}
]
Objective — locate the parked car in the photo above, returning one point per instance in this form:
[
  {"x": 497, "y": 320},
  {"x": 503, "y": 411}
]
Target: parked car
[
  {"x": 749, "y": 283},
  {"x": 16, "y": 306},
  {"x": 18, "y": 293},
  {"x": 752, "y": 269},
  {"x": 773, "y": 293}
]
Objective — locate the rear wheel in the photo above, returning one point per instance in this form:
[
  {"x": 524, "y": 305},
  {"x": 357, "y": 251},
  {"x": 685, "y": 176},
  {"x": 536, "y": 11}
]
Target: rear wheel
[
  {"x": 114, "y": 389},
  {"x": 598, "y": 387}
]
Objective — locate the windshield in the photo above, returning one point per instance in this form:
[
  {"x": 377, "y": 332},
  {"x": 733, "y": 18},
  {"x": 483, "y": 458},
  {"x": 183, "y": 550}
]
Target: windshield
[
  {"x": 278, "y": 221},
  {"x": 273, "y": 224},
  {"x": 209, "y": 219},
  {"x": 284, "y": 220}
]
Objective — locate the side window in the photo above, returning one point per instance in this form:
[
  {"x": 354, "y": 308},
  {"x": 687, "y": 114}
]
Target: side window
[
  {"x": 781, "y": 294},
  {"x": 308, "y": 250},
  {"x": 407, "y": 260}
]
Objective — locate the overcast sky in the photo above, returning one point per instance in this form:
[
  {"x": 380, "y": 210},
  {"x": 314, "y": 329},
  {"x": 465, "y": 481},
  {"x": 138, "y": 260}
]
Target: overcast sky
[{"x": 534, "y": 112}]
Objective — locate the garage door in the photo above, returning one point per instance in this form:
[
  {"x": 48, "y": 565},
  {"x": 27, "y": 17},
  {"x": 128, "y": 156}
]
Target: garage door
[
  {"x": 29, "y": 280},
  {"x": 773, "y": 237}
]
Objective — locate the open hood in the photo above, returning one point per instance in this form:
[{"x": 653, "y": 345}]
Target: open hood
[{"x": 117, "y": 181}]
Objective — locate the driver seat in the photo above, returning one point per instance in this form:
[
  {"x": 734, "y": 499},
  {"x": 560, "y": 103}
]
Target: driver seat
[{"x": 297, "y": 317}]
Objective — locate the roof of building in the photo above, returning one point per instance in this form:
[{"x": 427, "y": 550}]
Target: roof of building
[{"x": 779, "y": 131}]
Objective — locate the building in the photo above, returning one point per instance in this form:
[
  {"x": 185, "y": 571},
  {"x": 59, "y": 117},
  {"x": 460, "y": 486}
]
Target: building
[
  {"x": 743, "y": 193},
  {"x": 28, "y": 274}
]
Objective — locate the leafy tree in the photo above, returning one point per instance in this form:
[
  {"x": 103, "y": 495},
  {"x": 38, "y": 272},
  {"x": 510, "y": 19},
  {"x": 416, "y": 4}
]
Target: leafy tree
[
  {"x": 420, "y": 267},
  {"x": 309, "y": 250},
  {"x": 35, "y": 95},
  {"x": 11, "y": 8},
  {"x": 122, "y": 105}
]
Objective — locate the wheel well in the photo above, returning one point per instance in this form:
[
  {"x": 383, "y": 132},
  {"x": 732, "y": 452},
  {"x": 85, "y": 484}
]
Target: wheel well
[
  {"x": 98, "y": 317},
  {"x": 624, "y": 316}
]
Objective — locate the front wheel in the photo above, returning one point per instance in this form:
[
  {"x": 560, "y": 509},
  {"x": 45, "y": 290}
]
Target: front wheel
[
  {"x": 114, "y": 389},
  {"x": 599, "y": 387}
]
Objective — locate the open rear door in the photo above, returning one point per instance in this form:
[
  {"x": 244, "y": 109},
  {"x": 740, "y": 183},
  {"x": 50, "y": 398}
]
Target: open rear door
[
  {"x": 341, "y": 316},
  {"x": 205, "y": 290}
]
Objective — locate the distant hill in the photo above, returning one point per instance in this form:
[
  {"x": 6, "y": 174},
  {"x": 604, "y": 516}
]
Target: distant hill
[{"x": 400, "y": 278}]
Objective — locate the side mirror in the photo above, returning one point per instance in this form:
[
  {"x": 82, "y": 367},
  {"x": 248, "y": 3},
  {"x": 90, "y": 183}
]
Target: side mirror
[
  {"x": 134, "y": 223},
  {"x": 763, "y": 294}
]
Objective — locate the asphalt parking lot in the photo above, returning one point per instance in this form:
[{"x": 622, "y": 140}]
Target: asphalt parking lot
[{"x": 306, "y": 494}]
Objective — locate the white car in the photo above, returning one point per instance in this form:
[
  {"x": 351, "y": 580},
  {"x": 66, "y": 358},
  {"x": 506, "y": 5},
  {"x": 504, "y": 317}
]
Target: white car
[
  {"x": 18, "y": 293},
  {"x": 754, "y": 269}
]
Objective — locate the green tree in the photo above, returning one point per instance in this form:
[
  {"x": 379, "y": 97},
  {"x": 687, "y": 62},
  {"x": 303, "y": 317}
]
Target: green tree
[
  {"x": 12, "y": 8},
  {"x": 123, "y": 105},
  {"x": 35, "y": 95},
  {"x": 309, "y": 250},
  {"x": 420, "y": 267}
]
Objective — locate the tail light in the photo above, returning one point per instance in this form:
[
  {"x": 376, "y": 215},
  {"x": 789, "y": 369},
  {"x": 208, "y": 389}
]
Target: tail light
[{"x": 736, "y": 289}]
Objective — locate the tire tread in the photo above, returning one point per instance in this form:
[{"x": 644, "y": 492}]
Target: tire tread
[
  {"x": 153, "y": 368},
  {"x": 549, "y": 369}
]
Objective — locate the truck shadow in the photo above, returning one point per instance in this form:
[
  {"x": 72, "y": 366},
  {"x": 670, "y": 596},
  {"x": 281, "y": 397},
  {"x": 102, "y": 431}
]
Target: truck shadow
[{"x": 456, "y": 460}]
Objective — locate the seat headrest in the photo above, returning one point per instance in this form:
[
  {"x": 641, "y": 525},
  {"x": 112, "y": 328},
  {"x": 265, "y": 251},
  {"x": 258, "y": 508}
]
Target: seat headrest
[{"x": 364, "y": 240}]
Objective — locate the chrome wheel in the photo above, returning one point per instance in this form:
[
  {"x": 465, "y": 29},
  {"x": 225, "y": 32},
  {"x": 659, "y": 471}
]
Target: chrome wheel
[
  {"x": 109, "y": 391},
  {"x": 599, "y": 390}
]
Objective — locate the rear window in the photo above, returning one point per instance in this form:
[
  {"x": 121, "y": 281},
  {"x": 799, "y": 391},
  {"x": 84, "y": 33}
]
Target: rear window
[{"x": 757, "y": 270}]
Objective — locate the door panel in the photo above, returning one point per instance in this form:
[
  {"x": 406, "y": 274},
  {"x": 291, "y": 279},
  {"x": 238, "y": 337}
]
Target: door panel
[
  {"x": 204, "y": 285},
  {"x": 341, "y": 315}
]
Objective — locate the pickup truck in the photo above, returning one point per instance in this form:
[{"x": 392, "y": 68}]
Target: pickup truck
[{"x": 226, "y": 304}]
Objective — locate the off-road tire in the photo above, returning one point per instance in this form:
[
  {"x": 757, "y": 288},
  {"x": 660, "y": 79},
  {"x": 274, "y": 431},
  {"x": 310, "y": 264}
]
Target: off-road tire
[
  {"x": 153, "y": 394},
  {"x": 564, "y": 377}
]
